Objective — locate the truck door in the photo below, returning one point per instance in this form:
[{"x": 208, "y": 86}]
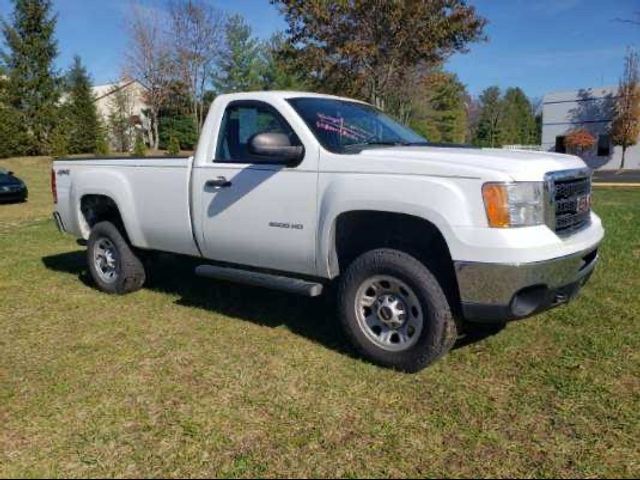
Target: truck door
[{"x": 256, "y": 214}]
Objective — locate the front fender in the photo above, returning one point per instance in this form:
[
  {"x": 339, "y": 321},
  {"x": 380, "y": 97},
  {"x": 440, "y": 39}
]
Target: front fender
[{"x": 442, "y": 201}]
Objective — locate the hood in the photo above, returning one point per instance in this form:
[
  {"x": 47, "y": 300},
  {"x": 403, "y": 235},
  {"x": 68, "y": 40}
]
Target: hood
[{"x": 497, "y": 164}]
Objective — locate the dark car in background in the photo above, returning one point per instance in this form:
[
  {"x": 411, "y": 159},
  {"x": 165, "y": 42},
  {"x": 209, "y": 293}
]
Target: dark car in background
[{"x": 12, "y": 189}]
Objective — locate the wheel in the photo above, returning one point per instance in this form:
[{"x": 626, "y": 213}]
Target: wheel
[
  {"x": 113, "y": 265},
  {"x": 394, "y": 311}
]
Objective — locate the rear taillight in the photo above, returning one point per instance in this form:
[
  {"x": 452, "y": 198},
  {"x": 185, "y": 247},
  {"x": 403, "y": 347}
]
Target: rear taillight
[{"x": 54, "y": 189}]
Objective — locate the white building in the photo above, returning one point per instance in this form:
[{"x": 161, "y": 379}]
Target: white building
[
  {"x": 593, "y": 110},
  {"x": 132, "y": 99}
]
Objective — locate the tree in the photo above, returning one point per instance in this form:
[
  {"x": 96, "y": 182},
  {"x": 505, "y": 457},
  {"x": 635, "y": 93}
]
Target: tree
[
  {"x": 241, "y": 64},
  {"x": 197, "y": 30},
  {"x": 580, "y": 140},
  {"x": 32, "y": 87},
  {"x": 79, "y": 110},
  {"x": 149, "y": 61},
  {"x": 278, "y": 73},
  {"x": 373, "y": 49},
  {"x": 121, "y": 121},
  {"x": 181, "y": 128},
  {"x": 625, "y": 128},
  {"x": 487, "y": 132},
  {"x": 13, "y": 139},
  {"x": 538, "y": 111},
  {"x": 176, "y": 120},
  {"x": 102, "y": 140},
  {"x": 473, "y": 108},
  {"x": 59, "y": 139},
  {"x": 517, "y": 122},
  {"x": 440, "y": 111}
]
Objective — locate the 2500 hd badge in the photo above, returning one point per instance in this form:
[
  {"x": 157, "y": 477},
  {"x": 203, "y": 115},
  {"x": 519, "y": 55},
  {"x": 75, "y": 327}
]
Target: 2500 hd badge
[{"x": 293, "y": 226}]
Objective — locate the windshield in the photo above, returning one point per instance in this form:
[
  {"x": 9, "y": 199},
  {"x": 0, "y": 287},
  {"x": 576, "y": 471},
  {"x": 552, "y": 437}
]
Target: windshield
[{"x": 347, "y": 127}]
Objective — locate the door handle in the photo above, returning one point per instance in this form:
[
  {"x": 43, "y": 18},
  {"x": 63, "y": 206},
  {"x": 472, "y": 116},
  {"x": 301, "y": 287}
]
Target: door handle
[{"x": 220, "y": 182}]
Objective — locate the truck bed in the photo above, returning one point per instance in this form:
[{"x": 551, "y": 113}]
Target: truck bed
[{"x": 154, "y": 191}]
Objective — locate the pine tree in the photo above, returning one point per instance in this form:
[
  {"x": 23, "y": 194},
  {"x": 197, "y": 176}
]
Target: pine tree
[
  {"x": 33, "y": 89},
  {"x": 448, "y": 115},
  {"x": 277, "y": 73},
  {"x": 487, "y": 132},
  {"x": 13, "y": 140},
  {"x": 241, "y": 65},
  {"x": 517, "y": 123},
  {"x": 80, "y": 110},
  {"x": 59, "y": 140}
]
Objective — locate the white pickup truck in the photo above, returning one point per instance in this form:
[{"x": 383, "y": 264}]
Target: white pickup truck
[{"x": 296, "y": 191}]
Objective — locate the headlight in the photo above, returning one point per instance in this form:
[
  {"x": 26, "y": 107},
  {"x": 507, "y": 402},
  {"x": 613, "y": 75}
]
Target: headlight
[{"x": 519, "y": 204}]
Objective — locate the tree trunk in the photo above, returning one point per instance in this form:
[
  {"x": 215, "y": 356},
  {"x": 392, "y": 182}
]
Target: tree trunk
[
  {"x": 624, "y": 151},
  {"x": 196, "y": 117},
  {"x": 156, "y": 135},
  {"x": 154, "y": 139}
]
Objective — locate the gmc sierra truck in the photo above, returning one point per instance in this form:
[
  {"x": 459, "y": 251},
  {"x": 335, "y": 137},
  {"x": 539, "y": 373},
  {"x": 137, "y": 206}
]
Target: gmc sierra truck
[{"x": 297, "y": 191}]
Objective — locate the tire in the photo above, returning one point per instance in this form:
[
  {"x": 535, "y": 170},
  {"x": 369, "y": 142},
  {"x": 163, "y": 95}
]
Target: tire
[
  {"x": 114, "y": 267},
  {"x": 409, "y": 324}
]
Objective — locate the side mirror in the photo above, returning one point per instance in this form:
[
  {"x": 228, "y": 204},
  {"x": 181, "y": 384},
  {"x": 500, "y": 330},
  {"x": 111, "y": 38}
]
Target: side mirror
[
  {"x": 275, "y": 147},
  {"x": 10, "y": 173}
]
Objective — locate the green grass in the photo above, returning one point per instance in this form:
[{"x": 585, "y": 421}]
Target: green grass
[{"x": 191, "y": 377}]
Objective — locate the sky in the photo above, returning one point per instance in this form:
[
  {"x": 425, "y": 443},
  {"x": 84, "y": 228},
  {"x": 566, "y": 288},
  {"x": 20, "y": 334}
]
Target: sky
[{"x": 538, "y": 45}]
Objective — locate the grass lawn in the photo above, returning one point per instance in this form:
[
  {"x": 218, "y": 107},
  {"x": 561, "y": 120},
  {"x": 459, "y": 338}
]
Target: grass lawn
[{"x": 191, "y": 377}]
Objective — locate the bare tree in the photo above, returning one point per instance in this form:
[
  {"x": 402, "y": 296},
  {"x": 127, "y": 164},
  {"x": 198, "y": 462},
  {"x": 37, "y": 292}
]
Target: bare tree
[
  {"x": 626, "y": 122},
  {"x": 197, "y": 31},
  {"x": 149, "y": 61},
  {"x": 121, "y": 120}
]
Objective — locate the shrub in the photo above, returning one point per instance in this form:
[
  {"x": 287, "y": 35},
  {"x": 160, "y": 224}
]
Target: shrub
[
  {"x": 102, "y": 142},
  {"x": 580, "y": 140},
  {"x": 139, "y": 149},
  {"x": 182, "y": 127},
  {"x": 173, "y": 148},
  {"x": 59, "y": 142},
  {"x": 102, "y": 146}
]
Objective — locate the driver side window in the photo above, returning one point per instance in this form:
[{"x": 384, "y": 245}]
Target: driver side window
[{"x": 243, "y": 120}]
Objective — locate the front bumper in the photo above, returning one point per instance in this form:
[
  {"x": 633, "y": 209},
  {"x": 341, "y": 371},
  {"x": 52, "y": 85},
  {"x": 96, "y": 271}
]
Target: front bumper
[{"x": 497, "y": 292}]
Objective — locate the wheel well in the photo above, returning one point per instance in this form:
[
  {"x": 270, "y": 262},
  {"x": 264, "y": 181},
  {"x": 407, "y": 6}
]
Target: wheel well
[
  {"x": 100, "y": 208},
  {"x": 357, "y": 232}
]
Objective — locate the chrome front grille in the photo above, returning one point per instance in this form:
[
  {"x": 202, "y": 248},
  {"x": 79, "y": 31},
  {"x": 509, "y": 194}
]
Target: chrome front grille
[{"x": 569, "y": 200}]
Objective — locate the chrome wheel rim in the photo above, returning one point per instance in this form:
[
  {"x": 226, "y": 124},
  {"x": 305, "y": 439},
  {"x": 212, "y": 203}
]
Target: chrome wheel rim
[
  {"x": 106, "y": 260},
  {"x": 389, "y": 313}
]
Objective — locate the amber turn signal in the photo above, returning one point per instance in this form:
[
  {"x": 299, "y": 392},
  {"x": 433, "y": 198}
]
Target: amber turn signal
[{"x": 496, "y": 202}]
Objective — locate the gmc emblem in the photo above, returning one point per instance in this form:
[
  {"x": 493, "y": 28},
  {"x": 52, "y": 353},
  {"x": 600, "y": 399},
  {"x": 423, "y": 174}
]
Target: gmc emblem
[{"x": 583, "y": 203}]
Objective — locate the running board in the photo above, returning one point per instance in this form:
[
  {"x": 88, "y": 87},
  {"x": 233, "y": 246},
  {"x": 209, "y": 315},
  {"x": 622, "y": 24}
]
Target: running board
[{"x": 257, "y": 279}]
